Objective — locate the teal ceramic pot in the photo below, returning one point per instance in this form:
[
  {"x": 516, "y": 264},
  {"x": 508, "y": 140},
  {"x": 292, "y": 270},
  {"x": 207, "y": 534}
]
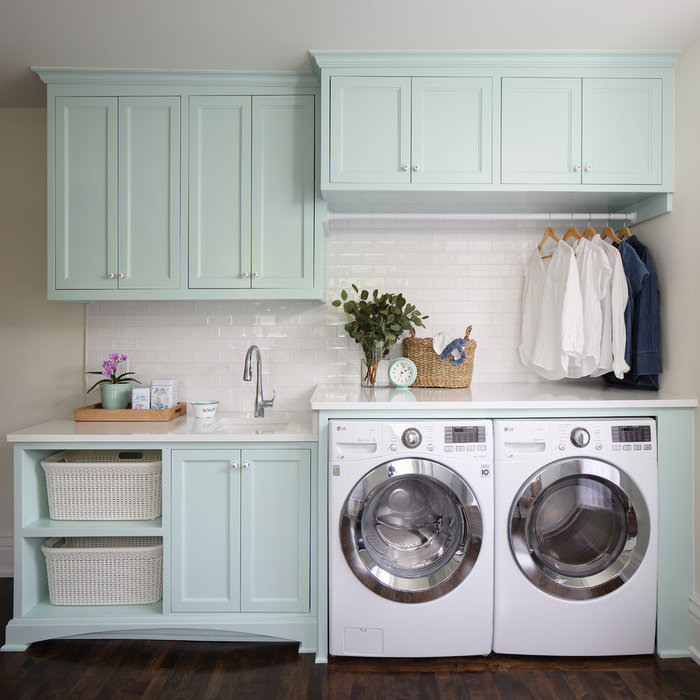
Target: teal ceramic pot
[{"x": 115, "y": 395}]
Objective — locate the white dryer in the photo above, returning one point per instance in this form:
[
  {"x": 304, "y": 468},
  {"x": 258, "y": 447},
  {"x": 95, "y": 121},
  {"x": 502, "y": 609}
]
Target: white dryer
[
  {"x": 576, "y": 544},
  {"x": 410, "y": 522}
]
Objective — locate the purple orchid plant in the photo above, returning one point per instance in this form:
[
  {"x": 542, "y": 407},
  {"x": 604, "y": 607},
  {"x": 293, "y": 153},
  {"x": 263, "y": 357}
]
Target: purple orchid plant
[{"x": 109, "y": 370}]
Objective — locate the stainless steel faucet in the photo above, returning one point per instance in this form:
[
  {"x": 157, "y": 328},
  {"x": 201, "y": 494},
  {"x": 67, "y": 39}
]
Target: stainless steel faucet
[{"x": 260, "y": 403}]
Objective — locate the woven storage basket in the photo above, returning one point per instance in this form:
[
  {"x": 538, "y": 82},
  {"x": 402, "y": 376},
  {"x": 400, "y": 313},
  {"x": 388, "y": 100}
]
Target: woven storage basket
[
  {"x": 104, "y": 485},
  {"x": 434, "y": 371},
  {"x": 104, "y": 570}
]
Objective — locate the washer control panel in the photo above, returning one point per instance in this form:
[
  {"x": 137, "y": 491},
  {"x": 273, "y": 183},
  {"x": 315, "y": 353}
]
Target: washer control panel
[{"x": 356, "y": 440}]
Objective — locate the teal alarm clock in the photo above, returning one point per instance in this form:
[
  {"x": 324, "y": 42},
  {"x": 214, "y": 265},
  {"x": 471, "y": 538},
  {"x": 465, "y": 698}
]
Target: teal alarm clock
[{"x": 402, "y": 372}]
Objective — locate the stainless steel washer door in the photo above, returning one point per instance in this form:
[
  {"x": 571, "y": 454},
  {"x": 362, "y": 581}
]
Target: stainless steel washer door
[
  {"x": 579, "y": 528},
  {"x": 411, "y": 530}
]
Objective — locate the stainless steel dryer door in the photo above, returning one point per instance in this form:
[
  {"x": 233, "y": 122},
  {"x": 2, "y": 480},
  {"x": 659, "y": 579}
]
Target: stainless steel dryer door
[
  {"x": 411, "y": 530},
  {"x": 579, "y": 528}
]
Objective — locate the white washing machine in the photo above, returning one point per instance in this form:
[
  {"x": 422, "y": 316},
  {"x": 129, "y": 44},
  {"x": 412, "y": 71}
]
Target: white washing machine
[
  {"x": 576, "y": 544},
  {"x": 410, "y": 522}
]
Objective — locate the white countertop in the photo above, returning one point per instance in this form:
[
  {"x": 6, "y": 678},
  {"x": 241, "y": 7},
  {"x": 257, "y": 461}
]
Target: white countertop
[
  {"x": 534, "y": 395},
  {"x": 224, "y": 427}
]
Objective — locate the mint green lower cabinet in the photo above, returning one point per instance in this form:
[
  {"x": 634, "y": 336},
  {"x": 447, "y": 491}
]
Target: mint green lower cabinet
[{"x": 241, "y": 530}]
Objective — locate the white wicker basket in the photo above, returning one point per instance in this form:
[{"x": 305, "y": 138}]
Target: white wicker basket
[
  {"x": 104, "y": 485},
  {"x": 104, "y": 570}
]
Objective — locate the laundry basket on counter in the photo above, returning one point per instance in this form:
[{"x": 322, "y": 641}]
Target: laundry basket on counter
[
  {"x": 104, "y": 484},
  {"x": 432, "y": 370},
  {"x": 104, "y": 570}
]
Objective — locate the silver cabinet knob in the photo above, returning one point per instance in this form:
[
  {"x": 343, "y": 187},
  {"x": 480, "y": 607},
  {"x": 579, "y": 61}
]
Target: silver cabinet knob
[
  {"x": 577, "y": 168},
  {"x": 246, "y": 465},
  {"x": 416, "y": 168},
  {"x": 589, "y": 168},
  {"x": 121, "y": 275},
  {"x": 245, "y": 274},
  {"x": 234, "y": 465},
  {"x": 404, "y": 168},
  {"x": 111, "y": 275},
  {"x": 255, "y": 274}
]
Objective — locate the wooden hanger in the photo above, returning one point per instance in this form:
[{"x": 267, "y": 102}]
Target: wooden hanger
[
  {"x": 608, "y": 232},
  {"x": 625, "y": 232},
  {"x": 589, "y": 232},
  {"x": 571, "y": 232},
  {"x": 549, "y": 234}
]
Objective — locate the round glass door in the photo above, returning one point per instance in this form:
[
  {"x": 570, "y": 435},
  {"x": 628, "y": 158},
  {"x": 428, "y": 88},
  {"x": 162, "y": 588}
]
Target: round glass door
[
  {"x": 411, "y": 530},
  {"x": 579, "y": 528}
]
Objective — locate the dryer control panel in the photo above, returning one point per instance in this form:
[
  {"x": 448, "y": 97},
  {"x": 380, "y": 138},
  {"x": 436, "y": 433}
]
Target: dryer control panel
[{"x": 610, "y": 437}]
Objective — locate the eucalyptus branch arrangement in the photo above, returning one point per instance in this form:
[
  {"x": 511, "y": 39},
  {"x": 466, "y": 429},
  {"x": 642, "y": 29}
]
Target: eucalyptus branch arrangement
[{"x": 377, "y": 320}]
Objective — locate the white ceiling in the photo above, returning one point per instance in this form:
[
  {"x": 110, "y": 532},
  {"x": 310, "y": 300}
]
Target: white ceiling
[{"x": 277, "y": 34}]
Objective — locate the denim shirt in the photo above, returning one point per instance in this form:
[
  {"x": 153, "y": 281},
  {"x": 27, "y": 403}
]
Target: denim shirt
[{"x": 644, "y": 333}]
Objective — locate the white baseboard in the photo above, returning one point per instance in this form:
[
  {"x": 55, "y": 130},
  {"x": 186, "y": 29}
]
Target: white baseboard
[
  {"x": 6, "y": 557},
  {"x": 695, "y": 627}
]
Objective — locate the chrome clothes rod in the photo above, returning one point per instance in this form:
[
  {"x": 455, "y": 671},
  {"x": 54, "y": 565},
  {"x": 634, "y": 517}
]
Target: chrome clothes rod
[{"x": 630, "y": 217}]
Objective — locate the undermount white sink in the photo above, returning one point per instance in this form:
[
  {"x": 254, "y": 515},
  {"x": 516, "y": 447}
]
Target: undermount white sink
[{"x": 242, "y": 425}]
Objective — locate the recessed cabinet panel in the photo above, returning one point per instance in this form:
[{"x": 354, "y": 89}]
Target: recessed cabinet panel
[
  {"x": 275, "y": 535},
  {"x": 206, "y": 531},
  {"x": 541, "y": 131},
  {"x": 622, "y": 131},
  {"x": 86, "y": 192},
  {"x": 451, "y": 130},
  {"x": 283, "y": 192},
  {"x": 149, "y": 193},
  {"x": 219, "y": 187},
  {"x": 370, "y": 130}
]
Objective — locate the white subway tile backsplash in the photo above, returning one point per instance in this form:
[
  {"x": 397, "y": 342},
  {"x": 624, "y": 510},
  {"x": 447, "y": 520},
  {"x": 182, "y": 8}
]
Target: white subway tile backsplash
[{"x": 459, "y": 273}]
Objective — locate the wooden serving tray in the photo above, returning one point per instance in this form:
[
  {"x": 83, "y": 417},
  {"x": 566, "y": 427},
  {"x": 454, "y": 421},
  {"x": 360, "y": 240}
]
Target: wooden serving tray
[{"x": 95, "y": 412}]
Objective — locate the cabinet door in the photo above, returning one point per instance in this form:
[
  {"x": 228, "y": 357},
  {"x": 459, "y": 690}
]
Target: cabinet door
[
  {"x": 86, "y": 192},
  {"x": 275, "y": 526},
  {"x": 622, "y": 131},
  {"x": 283, "y": 192},
  {"x": 370, "y": 128},
  {"x": 451, "y": 130},
  {"x": 149, "y": 193},
  {"x": 206, "y": 500},
  {"x": 219, "y": 192},
  {"x": 541, "y": 131}
]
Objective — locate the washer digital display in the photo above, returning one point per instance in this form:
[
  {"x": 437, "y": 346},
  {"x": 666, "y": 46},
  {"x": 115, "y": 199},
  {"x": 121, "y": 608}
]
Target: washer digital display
[
  {"x": 631, "y": 433},
  {"x": 465, "y": 433}
]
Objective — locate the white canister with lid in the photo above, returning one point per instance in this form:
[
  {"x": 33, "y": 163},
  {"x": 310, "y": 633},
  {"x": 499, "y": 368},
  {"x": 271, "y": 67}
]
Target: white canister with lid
[{"x": 164, "y": 393}]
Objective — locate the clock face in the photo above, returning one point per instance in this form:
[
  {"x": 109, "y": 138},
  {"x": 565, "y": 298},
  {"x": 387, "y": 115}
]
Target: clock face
[{"x": 402, "y": 372}]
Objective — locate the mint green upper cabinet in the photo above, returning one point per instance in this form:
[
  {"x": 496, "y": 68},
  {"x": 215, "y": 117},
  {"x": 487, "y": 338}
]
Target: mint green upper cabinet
[
  {"x": 410, "y": 131},
  {"x": 451, "y": 130},
  {"x": 219, "y": 187},
  {"x": 590, "y": 131},
  {"x": 117, "y": 193},
  {"x": 252, "y": 192},
  {"x": 541, "y": 131},
  {"x": 283, "y": 192},
  {"x": 622, "y": 131},
  {"x": 85, "y": 193},
  {"x": 241, "y": 530},
  {"x": 370, "y": 139}
]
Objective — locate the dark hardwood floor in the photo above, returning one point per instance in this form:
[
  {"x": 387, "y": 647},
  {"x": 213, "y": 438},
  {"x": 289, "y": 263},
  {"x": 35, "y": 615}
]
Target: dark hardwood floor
[{"x": 122, "y": 669}]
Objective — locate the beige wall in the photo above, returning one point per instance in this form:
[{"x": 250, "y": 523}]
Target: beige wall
[
  {"x": 41, "y": 342},
  {"x": 675, "y": 243}
]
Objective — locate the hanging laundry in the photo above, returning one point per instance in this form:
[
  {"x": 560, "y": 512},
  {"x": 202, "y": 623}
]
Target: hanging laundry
[
  {"x": 552, "y": 313},
  {"x": 594, "y": 273},
  {"x": 645, "y": 337},
  {"x": 614, "y": 338}
]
